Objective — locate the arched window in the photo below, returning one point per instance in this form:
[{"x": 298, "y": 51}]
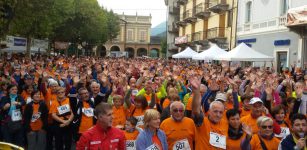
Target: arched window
[{"x": 248, "y": 13}]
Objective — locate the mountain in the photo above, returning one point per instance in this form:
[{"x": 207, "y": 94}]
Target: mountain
[{"x": 159, "y": 29}]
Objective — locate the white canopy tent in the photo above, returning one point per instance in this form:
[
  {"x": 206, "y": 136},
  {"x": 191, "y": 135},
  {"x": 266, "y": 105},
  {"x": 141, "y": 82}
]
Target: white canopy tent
[
  {"x": 244, "y": 53},
  {"x": 187, "y": 53},
  {"x": 209, "y": 54}
]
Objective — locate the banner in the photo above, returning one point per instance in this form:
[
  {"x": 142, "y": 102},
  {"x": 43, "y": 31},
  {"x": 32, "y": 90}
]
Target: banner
[
  {"x": 61, "y": 45},
  {"x": 181, "y": 40}
]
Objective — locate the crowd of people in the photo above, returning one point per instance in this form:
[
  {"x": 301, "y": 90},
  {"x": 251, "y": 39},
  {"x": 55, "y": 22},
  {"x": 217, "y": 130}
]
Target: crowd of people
[{"x": 50, "y": 102}]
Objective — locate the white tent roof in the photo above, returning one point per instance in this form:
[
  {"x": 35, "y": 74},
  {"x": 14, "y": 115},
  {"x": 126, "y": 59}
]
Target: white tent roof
[
  {"x": 209, "y": 54},
  {"x": 244, "y": 53},
  {"x": 187, "y": 53}
]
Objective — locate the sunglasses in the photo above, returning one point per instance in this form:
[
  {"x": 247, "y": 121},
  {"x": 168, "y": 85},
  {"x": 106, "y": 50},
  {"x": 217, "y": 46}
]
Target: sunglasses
[
  {"x": 178, "y": 110},
  {"x": 266, "y": 127}
]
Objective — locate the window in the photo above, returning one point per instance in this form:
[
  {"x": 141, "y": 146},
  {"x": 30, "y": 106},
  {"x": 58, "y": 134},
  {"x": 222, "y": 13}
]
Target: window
[
  {"x": 142, "y": 36},
  {"x": 248, "y": 13},
  {"x": 283, "y": 7},
  {"x": 130, "y": 34}
]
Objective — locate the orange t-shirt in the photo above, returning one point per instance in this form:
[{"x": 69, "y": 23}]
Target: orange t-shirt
[
  {"x": 203, "y": 133},
  {"x": 189, "y": 104},
  {"x": 131, "y": 136},
  {"x": 36, "y": 122},
  {"x": 138, "y": 114},
  {"x": 50, "y": 98},
  {"x": 166, "y": 103},
  {"x": 61, "y": 108},
  {"x": 244, "y": 112},
  {"x": 119, "y": 116},
  {"x": 177, "y": 131},
  {"x": 234, "y": 144},
  {"x": 86, "y": 121},
  {"x": 270, "y": 144},
  {"x": 157, "y": 141},
  {"x": 252, "y": 122}
]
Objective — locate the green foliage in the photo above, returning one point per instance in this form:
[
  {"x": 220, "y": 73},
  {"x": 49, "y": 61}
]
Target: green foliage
[
  {"x": 74, "y": 21},
  {"x": 163, "y": 47}
]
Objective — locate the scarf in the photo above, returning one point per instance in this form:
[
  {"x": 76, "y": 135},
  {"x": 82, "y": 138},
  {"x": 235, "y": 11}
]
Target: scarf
[{"x": 232, "y": 134}]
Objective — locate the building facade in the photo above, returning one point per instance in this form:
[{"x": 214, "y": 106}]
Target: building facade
[
  {"x": 206, "y": 21},
  {"x": 133, "y": 38},
  {"x": 173, "y": 9},
  {"x": 262, "y": 26}
]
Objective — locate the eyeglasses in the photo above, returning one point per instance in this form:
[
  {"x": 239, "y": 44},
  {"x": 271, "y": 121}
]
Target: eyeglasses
[
  {"x": 83, "y": 93},
  {"x": 61, "y": 92},
  {"x": 266, "y": 127},
  {"x": 178, "y": 110}
]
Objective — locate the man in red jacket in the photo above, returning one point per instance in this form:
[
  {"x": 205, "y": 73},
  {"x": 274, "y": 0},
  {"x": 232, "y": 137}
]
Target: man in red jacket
[{"x": 102, "y": 135}]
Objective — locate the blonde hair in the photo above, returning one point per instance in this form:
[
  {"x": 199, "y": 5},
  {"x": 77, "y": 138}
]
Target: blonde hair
[
  {"x": 263, "y": 119},
  {"x": 149, "y": 115}
]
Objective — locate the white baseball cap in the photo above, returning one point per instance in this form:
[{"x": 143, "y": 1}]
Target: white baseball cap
[
  {"x": 220, "y": 96},
  {"x": 255, "y": 100}
]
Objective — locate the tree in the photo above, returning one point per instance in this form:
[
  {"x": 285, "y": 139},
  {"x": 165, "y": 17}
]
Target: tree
[
  {"x": 164, "y": 47},
  {"x": 112, "y": 25}
]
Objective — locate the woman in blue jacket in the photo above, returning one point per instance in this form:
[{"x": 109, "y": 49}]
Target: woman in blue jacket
[{"x": 151, "y": 137}]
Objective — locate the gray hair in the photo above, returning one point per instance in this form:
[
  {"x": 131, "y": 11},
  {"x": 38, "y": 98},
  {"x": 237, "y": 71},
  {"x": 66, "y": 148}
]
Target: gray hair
[
  {"x": 94, "y": 83},
  {"x": 215, "y": 103},
  {"x": 175, "y": 103}
]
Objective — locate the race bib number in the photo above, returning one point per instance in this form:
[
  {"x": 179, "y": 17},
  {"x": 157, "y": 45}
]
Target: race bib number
[
  {"x": 29, "y": 100},
  {"x": 35, "y": 117},
  {"x": 217, "y": 140},
  {"x": 153, "y": 147},
  {"x": 140, "y": 120},
  {"x": 130, "y": 145},
  {"x": 182, "y": 145},
  {"x": 283, "y": 132},
  {"x": 89, "y": 112},
  {"x": 63, "y": 109},
  {"x": 16, "y": 115},
  {"x": 134, "y": 92}
]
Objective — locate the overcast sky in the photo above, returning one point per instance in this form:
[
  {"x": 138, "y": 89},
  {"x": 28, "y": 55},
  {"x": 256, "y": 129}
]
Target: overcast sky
[{"x": 156, "y": 8}]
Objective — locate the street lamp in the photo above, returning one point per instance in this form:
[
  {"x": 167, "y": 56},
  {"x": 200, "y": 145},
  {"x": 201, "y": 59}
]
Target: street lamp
[{"x": 125, "y": 31}]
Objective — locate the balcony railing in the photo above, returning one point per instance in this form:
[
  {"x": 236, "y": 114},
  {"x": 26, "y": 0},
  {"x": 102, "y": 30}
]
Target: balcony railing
[
  {"x": 174, "y": 8},
  {"x": 172, "y": 28},
  {"x": 188, "y": 16},
  {"x": 218, "y": 6},
  {"x": 201, "y": 11},
  {"x": 216, "y": 33},
  {"x": 262, "y": 26},
  {"x": 181, "y": 22},
  {"x": 182, "y": 2}
]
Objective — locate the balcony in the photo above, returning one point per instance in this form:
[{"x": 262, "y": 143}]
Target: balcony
[
  {"x": 173, "y": 9},
  {"x": 173, "y": 28},
  {"x": 216, "y": 34},
  {"x": 188, "y": 17},
  {"x": 218, "y": 6},
  {"x": 182, "y": 2},
  {"x": 262, "y": 26},
  {"x": 200, "y": 38},
  {"x": 201, "y": 12}
]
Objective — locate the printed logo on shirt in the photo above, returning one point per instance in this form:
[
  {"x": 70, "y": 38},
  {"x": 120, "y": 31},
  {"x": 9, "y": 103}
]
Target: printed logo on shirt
[
  {"x": 35, "y": 116},
  {"x": 95, "y": 142},
  {"x": 114, "y": 140}
]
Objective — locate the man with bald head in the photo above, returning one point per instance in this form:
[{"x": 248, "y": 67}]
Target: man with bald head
[
  {"x": 180, "y": 130},
  {"x": 211, "y": 130}
]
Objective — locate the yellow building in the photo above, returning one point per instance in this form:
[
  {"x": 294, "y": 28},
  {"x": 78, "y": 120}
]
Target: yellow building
[
  {"x": 205, "y": 21},
  {"x": 133, "y": 38}
]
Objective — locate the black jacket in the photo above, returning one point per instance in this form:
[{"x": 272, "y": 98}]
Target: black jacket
[
  {"x": 29, "y": 112},
  {"x": 287, "y": 143},
  {"x": 77, "y": 106},
  {"x": 7, "y": 100}
]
